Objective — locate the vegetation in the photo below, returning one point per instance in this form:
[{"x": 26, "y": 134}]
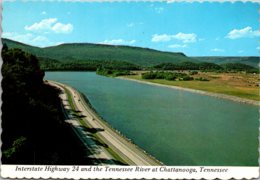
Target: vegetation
[
  {"x": 235, "y": 84},
  {"x": 251, "y": 60},
  {"x": 34, "y": 131},
  {"x": 118, "y": 159},
  {"x": 32, "y": 118},
  {"x": 54, "y": 65},
  {"x": 112, "y": 72},
  {"x": 171, "y": 76},
  {"x": 205, "y": 66},
  {"x": 88, "y": 57},
  {"x": 236, "y": 67},
  {"x": 201, "y": 79},
  {"x": 97, "y": 52}
]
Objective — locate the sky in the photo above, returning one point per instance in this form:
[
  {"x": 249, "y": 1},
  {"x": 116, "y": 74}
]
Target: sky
[{"x": 196, "y": 29}]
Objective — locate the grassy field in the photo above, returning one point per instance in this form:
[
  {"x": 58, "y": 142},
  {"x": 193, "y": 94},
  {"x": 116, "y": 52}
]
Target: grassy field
[{"x": 235, "y": 84}]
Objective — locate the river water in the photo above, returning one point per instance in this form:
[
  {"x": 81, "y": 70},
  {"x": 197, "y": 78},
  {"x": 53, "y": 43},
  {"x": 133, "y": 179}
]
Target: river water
[{"x": 175, "y": 126}]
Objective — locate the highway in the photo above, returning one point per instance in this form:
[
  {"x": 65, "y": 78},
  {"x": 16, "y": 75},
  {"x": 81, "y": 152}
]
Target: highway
[{"x": 104, "y": 142}]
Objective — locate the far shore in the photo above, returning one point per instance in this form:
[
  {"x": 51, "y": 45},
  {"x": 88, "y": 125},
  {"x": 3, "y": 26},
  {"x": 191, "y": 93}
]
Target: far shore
[{"x": 223, "y": 96}]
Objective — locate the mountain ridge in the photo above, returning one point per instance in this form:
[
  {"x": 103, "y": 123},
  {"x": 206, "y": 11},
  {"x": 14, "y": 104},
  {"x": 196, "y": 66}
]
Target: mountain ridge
[
  {"x": 136, "y": 55},
  {"x": 88, "y": 51}
]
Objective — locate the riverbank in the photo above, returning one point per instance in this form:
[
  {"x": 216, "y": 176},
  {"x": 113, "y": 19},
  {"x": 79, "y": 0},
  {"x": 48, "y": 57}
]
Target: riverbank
[
  {"x": 217, "y": 95},
  {"x": 109, "y": 142}
]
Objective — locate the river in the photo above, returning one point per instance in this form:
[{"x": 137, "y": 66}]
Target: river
[{"x": 177, "y": 127}]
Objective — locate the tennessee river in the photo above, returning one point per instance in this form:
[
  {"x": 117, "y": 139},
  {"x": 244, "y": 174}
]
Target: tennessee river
[
  {"x": 165, "y": 169},
  {"x": 149, "y": 169}
]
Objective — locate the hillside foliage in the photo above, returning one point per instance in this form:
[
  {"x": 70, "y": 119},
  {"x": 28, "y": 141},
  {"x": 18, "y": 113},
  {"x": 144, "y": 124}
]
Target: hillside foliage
[
  {"x": 170, "y": 76},
  {"x": 205, "y": 66},
  {"x": 90, "y": 57},
  {"x": 34, "y": 131},
  {"x": 99, "y": 52},
  {"x": 55, "y": 65}
]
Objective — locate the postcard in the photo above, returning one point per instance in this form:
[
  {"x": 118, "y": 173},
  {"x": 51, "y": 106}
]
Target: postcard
[{"x": 124, "y": 90}]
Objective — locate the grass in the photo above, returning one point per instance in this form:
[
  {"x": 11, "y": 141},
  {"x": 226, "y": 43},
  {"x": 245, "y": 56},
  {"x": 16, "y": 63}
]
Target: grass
[
  {"x": 235, "y": 84},
  {"x": 71, "y": 103},
  {"x": 83, "y": 123}
]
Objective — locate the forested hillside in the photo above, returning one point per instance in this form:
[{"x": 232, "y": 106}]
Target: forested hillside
[
  {"x": 34, "y": 131},
  {"x": 90, "y": 57},
  {"x": 98, "y": 52},
  {"x": 250, "y": 60},
  {"x": 206, "y": 66}
]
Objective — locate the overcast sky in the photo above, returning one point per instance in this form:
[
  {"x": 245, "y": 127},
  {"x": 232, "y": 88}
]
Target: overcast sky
[{"x": 197, "y": 29}]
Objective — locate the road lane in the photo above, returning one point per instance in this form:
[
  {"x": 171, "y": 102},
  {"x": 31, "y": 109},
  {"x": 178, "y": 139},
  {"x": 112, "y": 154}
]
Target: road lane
[
  {"x": 123, "y": 147},
  {"x": 97, "y": 153}
]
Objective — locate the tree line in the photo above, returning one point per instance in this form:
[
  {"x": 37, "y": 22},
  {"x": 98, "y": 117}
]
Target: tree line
[
  {"x": 170, "y": 76},
  {"x": 206, "y": 66},
  {"x": 94, "y": 65},
  {"x": 112, "y": 72},
  {"x": 34, "y": 130},
  {"x": 80, "y": 65}
]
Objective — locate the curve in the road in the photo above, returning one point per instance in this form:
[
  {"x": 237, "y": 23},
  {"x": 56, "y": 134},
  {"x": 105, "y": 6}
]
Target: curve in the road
[{"x": 121, "y": 147}]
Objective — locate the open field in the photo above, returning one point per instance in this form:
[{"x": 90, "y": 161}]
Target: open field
[{"x": 234, "y": 84}]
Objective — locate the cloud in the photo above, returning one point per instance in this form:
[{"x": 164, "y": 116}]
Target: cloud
[
  {"x": 258, "y": 48},
  {"x": 240, "y": 51},
  {"x": 161, "y": 38},
  {"x": 130, "y": 24},
  {"x": 40, "y": 39},
  {"x": 159, "y": 10},
  {"x": 246, "y": 32},
  {"x": 50, "y": 25},
  {"x": 217, "y": 50},
  {"x": 185, "y": 38},
  {"x": 18, "y": 37},
  {"x": 177, "y": 46},
  {"x": 45, "y": 24},
  {"x": 118, "y": 42},
  {"x": 62, "y": 28},
  {"x": 59, "y": 43},
  {"x": 28, "y": 38},
  {"x": 43, "y": 13}
]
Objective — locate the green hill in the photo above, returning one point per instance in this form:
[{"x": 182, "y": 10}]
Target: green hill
[
  {"x": 98, "y": 52},
  {"x": 250, "y": 60},
  {"x": 24, "y": 47},
  {"x": 92, "y": 55}
]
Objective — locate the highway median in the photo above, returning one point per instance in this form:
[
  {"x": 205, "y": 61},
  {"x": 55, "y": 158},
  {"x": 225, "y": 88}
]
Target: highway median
[{"x": 106, "y": 145}]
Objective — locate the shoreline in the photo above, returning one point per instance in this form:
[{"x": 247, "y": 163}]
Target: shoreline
[
  {"x": 129, "y": 148},
  {"x": 106, "y": 123},
  {"x": 217, "y": 95}
]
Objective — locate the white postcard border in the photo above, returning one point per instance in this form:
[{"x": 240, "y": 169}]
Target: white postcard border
[
  {"x": 11, "y": 171},
  {"x": 128, "y": 172}
]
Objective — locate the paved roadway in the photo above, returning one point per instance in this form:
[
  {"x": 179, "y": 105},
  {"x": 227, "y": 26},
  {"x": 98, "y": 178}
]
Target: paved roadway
[{"x": 124, "y": 148}]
